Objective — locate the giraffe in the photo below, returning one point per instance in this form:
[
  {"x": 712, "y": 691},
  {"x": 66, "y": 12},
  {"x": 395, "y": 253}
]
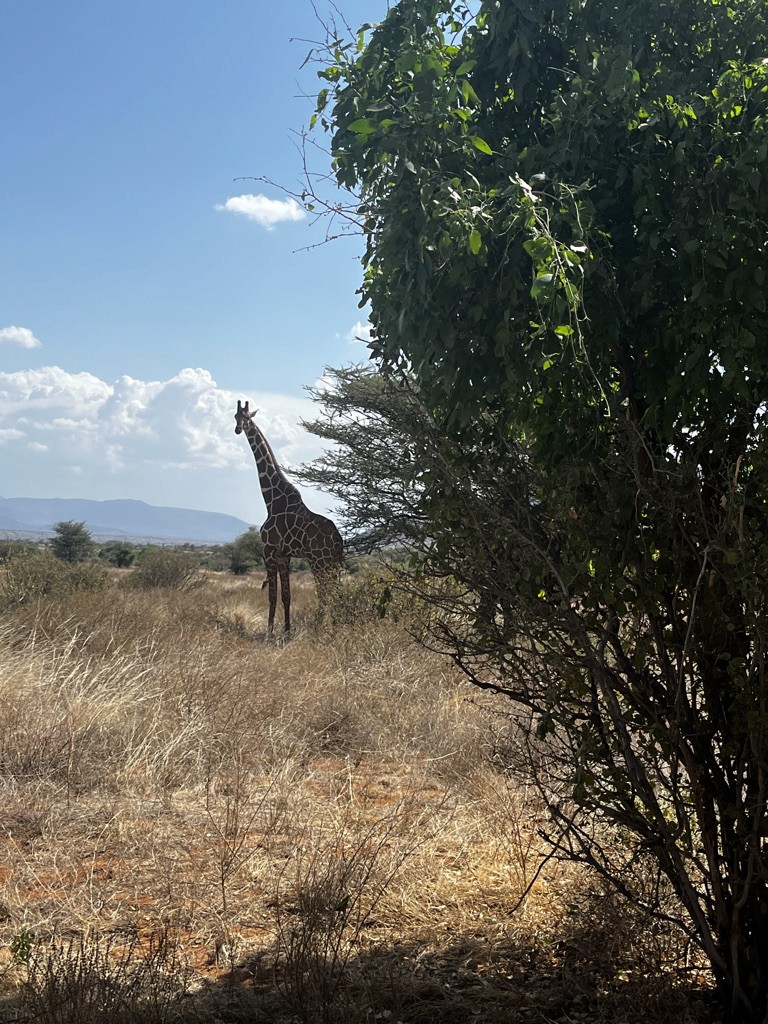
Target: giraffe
[{"x": 291, "y": 529}]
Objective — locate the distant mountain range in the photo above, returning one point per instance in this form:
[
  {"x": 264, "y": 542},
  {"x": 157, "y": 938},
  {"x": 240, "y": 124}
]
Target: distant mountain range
[{"x": 117, "y": 520}]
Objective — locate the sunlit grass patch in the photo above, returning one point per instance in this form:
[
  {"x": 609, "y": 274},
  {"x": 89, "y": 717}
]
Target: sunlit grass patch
[{"x": 315, "y": 828}]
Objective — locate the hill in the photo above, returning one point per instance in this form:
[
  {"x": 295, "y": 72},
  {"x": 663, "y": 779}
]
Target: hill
[{"x": 123, "y": 518}]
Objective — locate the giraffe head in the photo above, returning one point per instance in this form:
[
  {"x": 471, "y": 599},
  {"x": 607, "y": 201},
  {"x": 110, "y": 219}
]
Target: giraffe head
[{"x": 243, "y": 416}]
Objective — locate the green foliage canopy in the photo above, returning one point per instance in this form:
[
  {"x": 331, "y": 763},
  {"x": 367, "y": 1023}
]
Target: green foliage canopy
[
  {"x": 592, "y": 175},
  {"x": 566, "y": 213},
  {"x": 71, "y": 541}
]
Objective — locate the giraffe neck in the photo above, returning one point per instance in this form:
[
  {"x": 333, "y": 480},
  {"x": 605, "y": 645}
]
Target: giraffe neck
[{"x": 278, "y": 492}]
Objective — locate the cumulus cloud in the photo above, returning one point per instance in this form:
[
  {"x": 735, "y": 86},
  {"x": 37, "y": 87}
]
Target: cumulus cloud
[
  {"x": 73, "y": 395},
  {"x": 263, "y": 210},
  {"x": 169, "y": 442},
  {"x": 21, "y": 336}
]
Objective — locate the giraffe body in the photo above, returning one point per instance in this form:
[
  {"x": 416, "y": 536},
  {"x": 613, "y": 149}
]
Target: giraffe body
[{"x": 291, "y": 529}]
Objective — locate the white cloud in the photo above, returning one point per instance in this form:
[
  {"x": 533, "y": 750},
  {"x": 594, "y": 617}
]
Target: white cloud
[
  {"x": 169, "y": 442},
  {"x": 264, "y": 211},
  {"x": 73, "y": 395},
  {"x": 360, "y": 333},
  {"x": 21, "y": 336}
]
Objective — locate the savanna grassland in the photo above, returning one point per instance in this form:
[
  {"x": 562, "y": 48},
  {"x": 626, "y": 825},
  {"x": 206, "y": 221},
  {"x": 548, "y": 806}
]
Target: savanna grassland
[{"x": 200, "y": 825}]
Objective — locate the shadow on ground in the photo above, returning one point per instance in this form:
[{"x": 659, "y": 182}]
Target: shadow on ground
[{"x": 578, "y": 977}]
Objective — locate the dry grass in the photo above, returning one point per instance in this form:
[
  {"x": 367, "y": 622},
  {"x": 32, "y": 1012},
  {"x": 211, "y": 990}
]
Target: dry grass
[{"x": 199, "y": 825}]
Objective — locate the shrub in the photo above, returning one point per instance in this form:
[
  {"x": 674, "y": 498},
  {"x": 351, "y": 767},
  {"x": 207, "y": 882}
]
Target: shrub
[
  {"x": 13, "y": 548},
  {"x": 41, "y": 575},
  {"x": 368, "y": 596},
  {"x": 246, "y": 553},
  {"x": 118, "y": 553},
  {"x": 159, "y": 567}
]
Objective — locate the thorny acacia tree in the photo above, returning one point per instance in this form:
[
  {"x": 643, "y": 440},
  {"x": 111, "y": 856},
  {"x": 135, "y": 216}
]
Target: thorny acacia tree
[
  {"x": 566, "y": 216},
  {"x": 380, "y": 448},
  {"x": 71, "y": 542}
]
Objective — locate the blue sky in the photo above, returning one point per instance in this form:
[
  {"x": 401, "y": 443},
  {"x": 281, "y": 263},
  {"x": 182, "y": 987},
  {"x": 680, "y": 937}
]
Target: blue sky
[{"x": 141, "y": 290}]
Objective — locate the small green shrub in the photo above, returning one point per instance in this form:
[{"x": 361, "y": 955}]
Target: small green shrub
[
  {"x": 159, "y": 567},
  {"x": 21, "y": 945},
  {"x": 118, "y": 553},
  {"x": 41, "y": 575},
  {"x": 368, "y": 596}
]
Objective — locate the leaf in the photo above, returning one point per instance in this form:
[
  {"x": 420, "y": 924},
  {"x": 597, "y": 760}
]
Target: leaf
[
  {"x": 715, "y": 260},
  {"x": 469, "y": 93},
  {"x": 541, "y": 285},
  {"x": 362, "y": 126},
  {"x": 406, "y": 62},
  {"x": 475, "y": 241},
  {"x": 538, "y": 248},
  {"x": 481, "y": 144},
  {"x": 564, "y": 330}
]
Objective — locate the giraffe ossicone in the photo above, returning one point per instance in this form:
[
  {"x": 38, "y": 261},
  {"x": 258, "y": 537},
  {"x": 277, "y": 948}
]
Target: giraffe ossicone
[{"x": 291, "y": 529}]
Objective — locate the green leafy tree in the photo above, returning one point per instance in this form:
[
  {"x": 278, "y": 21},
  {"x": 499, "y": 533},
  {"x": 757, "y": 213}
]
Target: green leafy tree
[
  {"x": 246, "y": 552},
  {"x": 118, "y": 553},
  {"x": 71, "y": 541},
  {"x": 566, "y": 208}
]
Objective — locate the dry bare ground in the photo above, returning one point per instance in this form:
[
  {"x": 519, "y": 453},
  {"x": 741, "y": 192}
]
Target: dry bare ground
[{"x": 198, "y": 825}]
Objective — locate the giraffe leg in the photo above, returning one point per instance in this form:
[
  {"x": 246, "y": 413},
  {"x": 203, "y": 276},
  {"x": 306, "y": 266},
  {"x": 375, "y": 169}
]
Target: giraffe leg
[
  {"x": 270, "y": 564},
  {"x": 284, "y": 568}
]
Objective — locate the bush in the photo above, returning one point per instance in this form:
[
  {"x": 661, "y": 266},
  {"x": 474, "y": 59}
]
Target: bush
[
  {"x": 41, "y": 575},
  {"x": 370, "y": 595},
  {"x": 13, "y": 548},
  {"x": 118, "y": 553},
  {"x": 159, "y": 567},
  {"x": 246, "y": 553}
]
